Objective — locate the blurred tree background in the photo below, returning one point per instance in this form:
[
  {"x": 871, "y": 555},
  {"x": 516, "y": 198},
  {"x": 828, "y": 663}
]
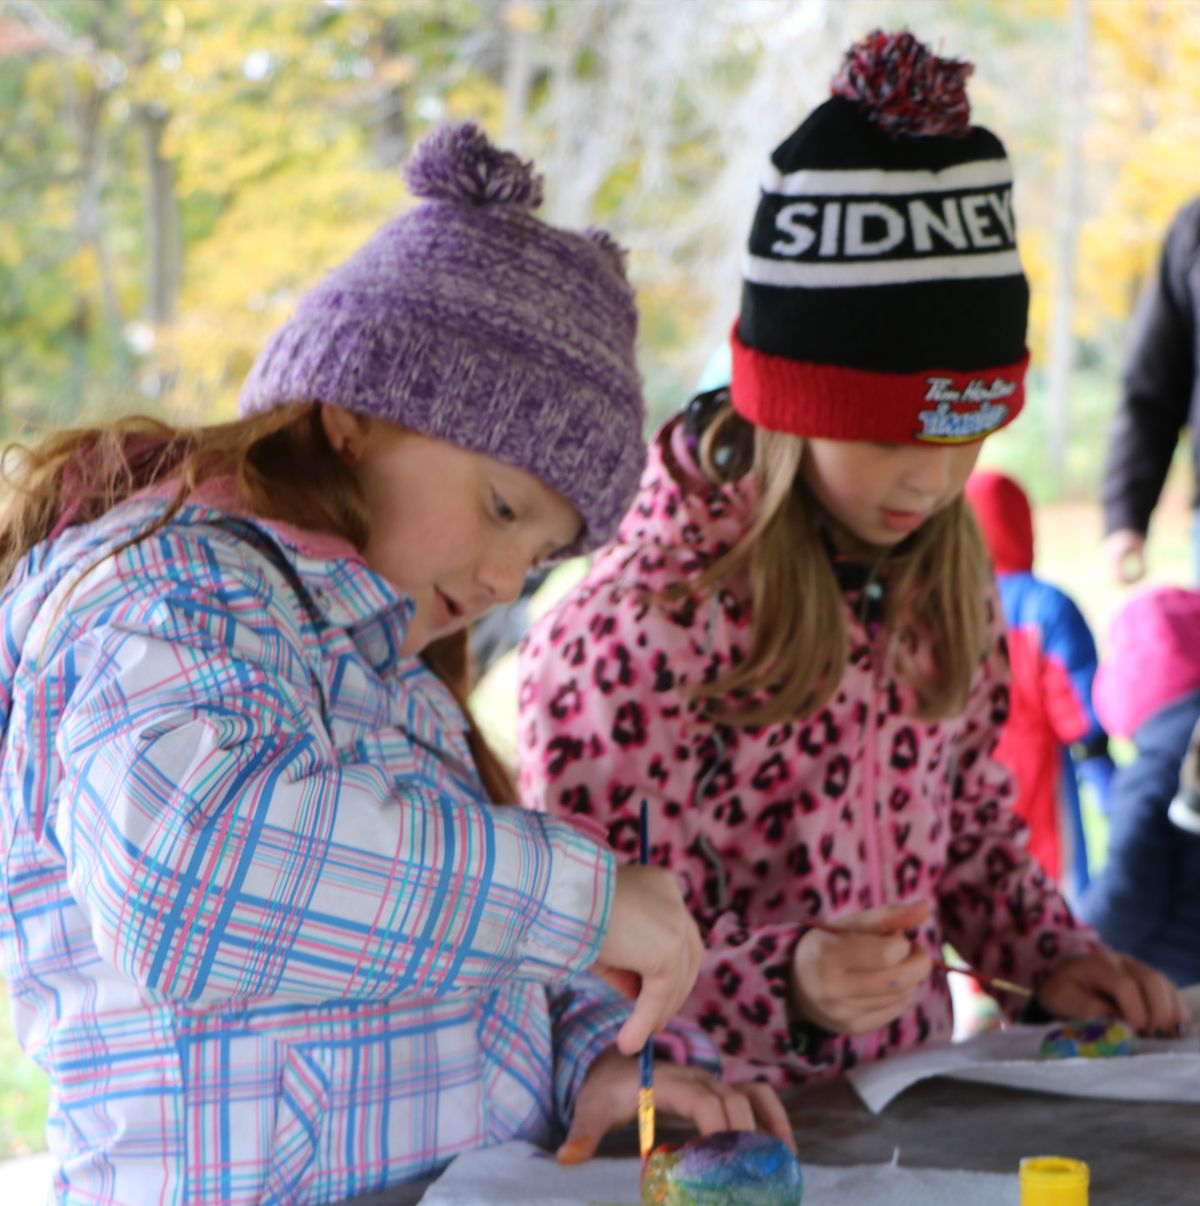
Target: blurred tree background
[{"x": 174, "y": 173}]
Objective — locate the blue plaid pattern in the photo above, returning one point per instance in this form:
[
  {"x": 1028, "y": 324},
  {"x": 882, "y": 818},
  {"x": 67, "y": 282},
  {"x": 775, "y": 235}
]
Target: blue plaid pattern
[{"x": 260, "y": 927}]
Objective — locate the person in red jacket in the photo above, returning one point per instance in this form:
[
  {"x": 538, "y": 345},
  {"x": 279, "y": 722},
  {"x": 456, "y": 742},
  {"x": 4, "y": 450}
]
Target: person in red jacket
[
  {"x": 794, "y": 650},
  {"x": 1052, "y": 731}
]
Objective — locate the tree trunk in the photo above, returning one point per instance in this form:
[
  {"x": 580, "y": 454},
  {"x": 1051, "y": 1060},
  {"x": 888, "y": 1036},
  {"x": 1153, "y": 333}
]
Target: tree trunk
[
  {"x": 162, "y": 226},
  {"x": 520, "y": 22},
  {"x": 1068, "y": 218}
]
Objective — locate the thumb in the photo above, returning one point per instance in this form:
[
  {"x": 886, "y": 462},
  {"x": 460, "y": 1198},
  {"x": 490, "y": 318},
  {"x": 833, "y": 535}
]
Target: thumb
[
  {"x": 627, "y": 983},
  {"x": 588, "y": 1126},
  {"x": 887, "y": 919}
]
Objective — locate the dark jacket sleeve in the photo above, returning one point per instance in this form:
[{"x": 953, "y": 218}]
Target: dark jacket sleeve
[
  {"x": 1158, "y": 382},
  {"x": 1133, "y": 898}
]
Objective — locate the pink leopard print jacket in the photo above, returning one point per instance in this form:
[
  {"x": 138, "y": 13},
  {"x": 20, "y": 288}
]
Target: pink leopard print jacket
[{"x": 767, "y": 829}]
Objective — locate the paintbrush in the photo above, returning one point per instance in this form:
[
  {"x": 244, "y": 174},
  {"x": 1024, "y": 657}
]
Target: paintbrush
[
  {"x": 979, "y": 977},
  {"x": 646, "y": 1089}
]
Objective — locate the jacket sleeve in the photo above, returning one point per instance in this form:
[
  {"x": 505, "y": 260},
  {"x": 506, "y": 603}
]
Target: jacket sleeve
[
  {"x": 998, "y": 908},
  {"x": 604, "y": 721},
  {"x": 1131, "y": 900},
  {"x": 1157, "y": 383},
  {"x": 221, "y": 845},
  {"x": 1068, "y": 667},
  {"x": 587, "y": 1014}
]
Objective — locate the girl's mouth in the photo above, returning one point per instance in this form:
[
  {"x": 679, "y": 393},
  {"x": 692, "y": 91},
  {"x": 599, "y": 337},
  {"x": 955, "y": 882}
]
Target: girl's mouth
[
  {"x": 902, "y": 521},
  {"x": 448, "y": 610}
]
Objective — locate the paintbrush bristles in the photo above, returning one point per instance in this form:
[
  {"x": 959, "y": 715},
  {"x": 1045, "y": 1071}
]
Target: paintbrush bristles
[{"x": 645, "y": 1122}]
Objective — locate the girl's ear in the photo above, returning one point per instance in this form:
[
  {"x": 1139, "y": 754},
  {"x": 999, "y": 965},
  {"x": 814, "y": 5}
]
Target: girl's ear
[{"x": 345, "y": 431}]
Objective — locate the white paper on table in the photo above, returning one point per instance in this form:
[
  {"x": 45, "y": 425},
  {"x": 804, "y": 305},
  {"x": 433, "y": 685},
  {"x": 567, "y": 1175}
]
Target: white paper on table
[
  {"x": 1159, "y": 1070},
  {"x": 518, "y": 1174}
]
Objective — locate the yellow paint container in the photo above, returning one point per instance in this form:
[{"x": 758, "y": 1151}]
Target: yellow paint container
[{"x": 1053, "y": 1181}]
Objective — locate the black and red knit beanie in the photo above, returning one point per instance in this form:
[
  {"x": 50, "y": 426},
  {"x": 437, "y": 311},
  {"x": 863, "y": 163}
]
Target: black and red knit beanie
[{"x": 883, "y": 296}]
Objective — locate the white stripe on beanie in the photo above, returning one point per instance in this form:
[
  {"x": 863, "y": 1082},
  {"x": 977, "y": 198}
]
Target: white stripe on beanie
[
  {"x": 979, "y": 173},
  {"x": 830, "y": 275}
]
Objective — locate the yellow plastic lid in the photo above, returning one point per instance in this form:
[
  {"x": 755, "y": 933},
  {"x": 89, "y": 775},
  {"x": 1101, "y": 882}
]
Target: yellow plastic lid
[{"x": 1053, "y": 1181}]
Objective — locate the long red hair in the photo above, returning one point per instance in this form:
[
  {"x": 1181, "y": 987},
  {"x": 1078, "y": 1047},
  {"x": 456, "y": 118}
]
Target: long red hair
[{"x": 283, "y": 465}]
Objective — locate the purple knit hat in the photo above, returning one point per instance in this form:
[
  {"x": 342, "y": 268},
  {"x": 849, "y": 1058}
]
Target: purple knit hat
[{"x": 469, "y": 320}]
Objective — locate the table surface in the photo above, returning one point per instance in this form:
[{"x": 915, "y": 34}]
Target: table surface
[{"x": 1146, "y": 1153}]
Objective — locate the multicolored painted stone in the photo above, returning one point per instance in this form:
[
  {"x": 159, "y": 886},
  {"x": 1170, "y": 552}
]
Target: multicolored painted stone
[
  {"x": 1097, "y": 1038},
  {"x": 746, "y": 1167}
]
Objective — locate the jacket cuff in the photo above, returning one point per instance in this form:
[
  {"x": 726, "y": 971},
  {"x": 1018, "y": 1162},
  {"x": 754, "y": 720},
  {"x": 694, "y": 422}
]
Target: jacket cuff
[{"x": 586, "y": 1016}]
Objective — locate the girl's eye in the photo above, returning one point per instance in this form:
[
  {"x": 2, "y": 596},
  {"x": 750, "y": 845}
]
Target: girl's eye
[{"x": 503, "y": 510}]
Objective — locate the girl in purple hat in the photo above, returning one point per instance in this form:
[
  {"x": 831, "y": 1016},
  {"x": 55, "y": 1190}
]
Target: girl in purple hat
[
  {"x": 264, "y": 924},
  {"x": 794, "y": 648}
]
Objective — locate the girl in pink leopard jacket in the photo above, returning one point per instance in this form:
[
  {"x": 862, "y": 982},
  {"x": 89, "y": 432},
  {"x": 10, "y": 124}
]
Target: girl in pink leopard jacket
[{"x": 794, "y": 649}]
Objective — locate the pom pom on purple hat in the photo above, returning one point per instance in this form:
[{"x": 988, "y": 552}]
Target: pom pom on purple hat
[
  {"x": 470, "y": 320},
  {"x": 458, "y": 163}
]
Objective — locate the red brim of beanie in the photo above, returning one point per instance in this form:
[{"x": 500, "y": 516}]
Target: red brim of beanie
[{"x": 833, "y": 402}]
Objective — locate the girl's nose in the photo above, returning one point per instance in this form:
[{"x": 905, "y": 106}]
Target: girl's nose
[
  {"x": 503, "y": 577},
  {"x": 928, "y": 470}
]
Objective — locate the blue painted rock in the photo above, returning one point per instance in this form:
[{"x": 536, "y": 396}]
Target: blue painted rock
[
  {"x": 745, "y": 1167},
  {"x": 1099, "y": 1038}
]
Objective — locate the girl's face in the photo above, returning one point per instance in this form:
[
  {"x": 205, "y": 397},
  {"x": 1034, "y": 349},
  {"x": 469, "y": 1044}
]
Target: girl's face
[
  {"x": 882, "y": 493},
  {"x": 455, "y": 530}
]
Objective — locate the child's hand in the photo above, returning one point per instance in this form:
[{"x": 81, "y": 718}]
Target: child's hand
[
  {"x": 651, "y": 936},
  {"x": 855, "y": 982},
  {"x": 608, "y": 1099},
  {"x": 1105, "y": 984}
]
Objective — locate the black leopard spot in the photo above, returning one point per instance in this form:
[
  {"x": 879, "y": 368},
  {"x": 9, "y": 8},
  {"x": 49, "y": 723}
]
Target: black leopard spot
[
  {"x": 562, "y": 751},
  {"x": 757, "y": 1013},
  {"x": 576, "y": 799},
  {"x": 629, "y": 725},
  {"x": 565, "y": 701},
  {"x": 838, "y": 886},
  {"x": 837, "y": 776},
  {"x": 904, "y": 749},
  {"x": 798, "y": 861},
  {"x": 771, "y": 773},
  {"x": 728, "y": 980}
]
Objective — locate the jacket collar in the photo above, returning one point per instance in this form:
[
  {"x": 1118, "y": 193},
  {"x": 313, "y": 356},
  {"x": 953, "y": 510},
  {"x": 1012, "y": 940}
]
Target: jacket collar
[
  {"x": 345, "y": 591},
  {"x": 677, "y": 505}
]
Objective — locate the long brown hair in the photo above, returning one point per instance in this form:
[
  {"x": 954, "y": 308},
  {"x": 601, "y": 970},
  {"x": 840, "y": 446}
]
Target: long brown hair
[
  {"x": 284, "y": 468},
  {"x": 799, "y": 644}
]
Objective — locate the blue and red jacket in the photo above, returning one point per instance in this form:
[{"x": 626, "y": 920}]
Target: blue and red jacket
[{"x": 1054, "y": 660}]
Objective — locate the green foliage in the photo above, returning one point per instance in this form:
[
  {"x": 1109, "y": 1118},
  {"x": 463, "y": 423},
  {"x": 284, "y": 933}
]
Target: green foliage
[{"x": 24, "y": 1094}]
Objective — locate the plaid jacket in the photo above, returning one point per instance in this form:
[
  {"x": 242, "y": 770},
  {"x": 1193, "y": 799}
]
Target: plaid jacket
[{"x": 260, "y": 928}]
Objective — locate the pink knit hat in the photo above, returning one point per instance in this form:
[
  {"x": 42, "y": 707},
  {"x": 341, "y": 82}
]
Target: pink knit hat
[{"x": 1153, "y": 657}]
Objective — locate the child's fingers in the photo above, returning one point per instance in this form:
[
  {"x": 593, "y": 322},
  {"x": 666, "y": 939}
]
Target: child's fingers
[
  {"x": 606, "y": 1099},
  {"x": 1164, "y": 1006},
  {"x": 738, "y": 1112},
  {"x": 904, "y": 975},
  {"x": 877, "y": 1019},
  {"x": 1110, "y": 985},
  {"x": 857, "y": 1007},
  {"x": 867, "y": 952},
  {"x": 769, "y": 1112},
  {"x": 886, "y": 919},
  {"x": 655, "y": 1006},
  {"x": 589, "y": 1124},
  {"x": 1094, "y": 986},
  {"x": 709, "y": 1104},
  {"x": 627, "y": 983},
  {"x": 578, "y": 1149}
]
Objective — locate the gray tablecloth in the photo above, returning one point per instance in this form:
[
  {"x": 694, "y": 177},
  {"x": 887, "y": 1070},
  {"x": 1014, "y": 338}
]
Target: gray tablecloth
[{"x": 1143, "y": 1154}]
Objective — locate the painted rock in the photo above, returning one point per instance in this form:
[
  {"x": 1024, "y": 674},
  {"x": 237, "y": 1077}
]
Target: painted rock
[
  {"x": 745, "y": 1167},
  {"x": 1099, "y": 1038}
]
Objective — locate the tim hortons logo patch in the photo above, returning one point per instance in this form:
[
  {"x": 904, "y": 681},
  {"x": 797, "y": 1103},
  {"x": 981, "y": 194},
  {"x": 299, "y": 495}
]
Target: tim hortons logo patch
[{"x": 982, "y": 411}]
